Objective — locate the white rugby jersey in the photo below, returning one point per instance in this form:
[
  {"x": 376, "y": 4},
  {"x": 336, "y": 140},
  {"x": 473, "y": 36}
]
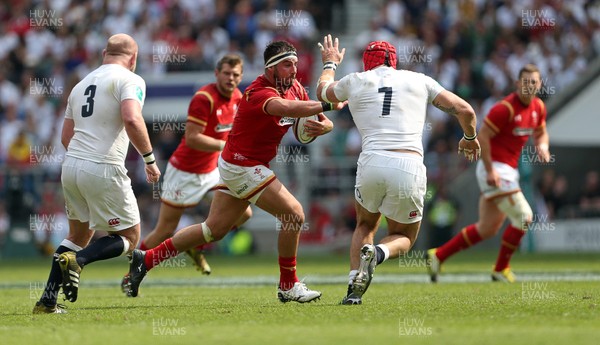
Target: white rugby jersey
[
  {"x": 388, "y": 106},
  {"x": 95, "y": 107}
]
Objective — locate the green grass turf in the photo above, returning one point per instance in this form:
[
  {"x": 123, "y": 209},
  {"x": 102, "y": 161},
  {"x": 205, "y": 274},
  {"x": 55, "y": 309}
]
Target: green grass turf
[{"x": 552, "y": 312}]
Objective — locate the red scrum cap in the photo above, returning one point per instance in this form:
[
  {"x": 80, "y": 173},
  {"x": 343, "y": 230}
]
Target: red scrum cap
[{"x": 379, "y": 53}]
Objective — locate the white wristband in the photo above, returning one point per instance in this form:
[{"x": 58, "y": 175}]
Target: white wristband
[
  {"x": 543, "y": 147},
  {"x": 149, "y": 158}
]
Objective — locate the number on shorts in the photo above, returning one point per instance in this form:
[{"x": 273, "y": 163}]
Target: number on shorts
[
  {"x": 387, "y": 100},
  {"x": 88, "y": 109}
]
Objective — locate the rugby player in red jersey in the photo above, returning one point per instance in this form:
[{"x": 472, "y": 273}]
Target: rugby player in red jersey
[
  {"x": 268, "y": 108},
  {"x": 192, "y": 169},
  {"x": 505, "y": 131}
]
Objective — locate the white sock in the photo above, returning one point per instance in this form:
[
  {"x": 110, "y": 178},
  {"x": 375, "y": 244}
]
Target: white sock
[
  {"x": 386, "y": 251},
  {"x": 125, "y": 244},
  {"x": 70, "y": 245},
  {"x": 351, "y": 276}
]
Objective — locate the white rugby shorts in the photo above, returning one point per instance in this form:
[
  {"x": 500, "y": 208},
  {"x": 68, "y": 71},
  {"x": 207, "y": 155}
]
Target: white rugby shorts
[
  {"x": 391, "y": 183},
  {"x": 509, "y": 180},
  {"x": 184, "y": 189},
  {"x": 100, "y": 194},
  {"x": 246, "y": 183}
]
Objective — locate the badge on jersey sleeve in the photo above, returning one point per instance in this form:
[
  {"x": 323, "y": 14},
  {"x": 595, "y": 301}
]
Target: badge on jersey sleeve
[{"x": 139, "y": 93}]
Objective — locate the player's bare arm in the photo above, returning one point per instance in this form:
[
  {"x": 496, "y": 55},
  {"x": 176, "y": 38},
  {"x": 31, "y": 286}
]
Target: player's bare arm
[
  {"x": 541, "y": 141},
  {"x": 331, "y": 57},
  {"x": 131, "y": 113},
  {"x": 68, "y": 131},
  {"x": 292, "y": 108},
  {"x": 195, "y": 139},
  {"x": 456, "y": 106}
]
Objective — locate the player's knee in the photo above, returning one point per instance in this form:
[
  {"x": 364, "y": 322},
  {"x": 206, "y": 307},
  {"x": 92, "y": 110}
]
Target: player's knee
[
  {"x": 130, "y": 236},
  {"x": 132, "y": 242},
  {"x": 212, "y": 234},
  {"x": 295, "y": 215},
  {"x": 517, "y": 210},
  {"x": 526, "y": 219}
]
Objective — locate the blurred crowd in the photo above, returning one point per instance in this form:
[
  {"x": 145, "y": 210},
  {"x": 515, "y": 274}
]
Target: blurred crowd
[{"x": 472, "y": 47}]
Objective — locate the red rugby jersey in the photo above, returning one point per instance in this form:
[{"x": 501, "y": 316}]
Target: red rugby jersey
[
  {"x": 513, "y": 122},
  {"x": 256, "y": 135},
  {"x": 215, "y": 112}
]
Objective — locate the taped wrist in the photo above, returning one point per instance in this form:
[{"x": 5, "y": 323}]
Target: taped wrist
[
  {"x": 149, "y": 158},
  {"x": 327, "y": 106}
]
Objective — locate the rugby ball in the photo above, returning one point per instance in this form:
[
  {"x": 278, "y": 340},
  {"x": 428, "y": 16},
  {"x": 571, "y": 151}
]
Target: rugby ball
[{"x": 298, "y": 129}]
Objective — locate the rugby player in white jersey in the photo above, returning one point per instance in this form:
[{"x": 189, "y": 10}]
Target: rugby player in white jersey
[
  {"x": 103, "y": 114},
  {"x": 388, "y": 107}
]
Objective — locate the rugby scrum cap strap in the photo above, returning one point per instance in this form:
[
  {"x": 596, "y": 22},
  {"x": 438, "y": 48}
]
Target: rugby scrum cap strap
[{"x": 379, "y": 53}]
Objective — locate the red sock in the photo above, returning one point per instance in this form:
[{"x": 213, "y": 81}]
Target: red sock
[
  {"x": 510, "y": 242},
  {"x": 143, "y": 246},
  {"x": 160, "y": 253},
  {"x": 287, "y": 273},
  {"x": 466, "y": 238}
]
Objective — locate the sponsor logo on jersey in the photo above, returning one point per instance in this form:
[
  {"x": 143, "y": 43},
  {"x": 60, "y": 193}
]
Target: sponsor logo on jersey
[
  {"x": 285, "y": 121},
  {"x": 114, "y": 222},
  {"x": 522, "y": 131},
  {"x": 413, "y": 214},
  {"x": 219, "y": 128}
]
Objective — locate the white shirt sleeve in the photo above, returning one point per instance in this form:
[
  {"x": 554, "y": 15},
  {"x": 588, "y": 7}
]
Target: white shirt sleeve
[
  {"x": 133, "y": 88},
  {"x": 343, "y": 87},
  {"x": 433, "y": 88},
  {"x": 68, "y": 110}
]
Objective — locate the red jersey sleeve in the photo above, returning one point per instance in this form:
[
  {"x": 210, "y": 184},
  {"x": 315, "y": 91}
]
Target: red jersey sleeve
[
  {"x": 259, "y": 97},
  {"x": 200, "y": 108},
  {"x": 499, "y": 116}
]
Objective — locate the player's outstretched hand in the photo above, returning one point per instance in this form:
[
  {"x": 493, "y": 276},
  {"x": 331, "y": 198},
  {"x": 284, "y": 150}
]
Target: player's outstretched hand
[
  {"x": 316, "y": 128},
  {"x": 470, "y": 148},
  {"x": 330, "y": 50},
  {"x": 152, "y": 173}
]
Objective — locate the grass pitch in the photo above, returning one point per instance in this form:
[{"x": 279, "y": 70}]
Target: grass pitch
[{"x": 556, "y": 303}]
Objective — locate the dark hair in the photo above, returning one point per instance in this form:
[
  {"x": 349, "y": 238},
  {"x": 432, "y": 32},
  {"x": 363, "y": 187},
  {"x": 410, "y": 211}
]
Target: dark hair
[
  {"x": 230, "y": 59},
  {"x": 529, "y": 68},
  {"x": 277, "y": 47}
]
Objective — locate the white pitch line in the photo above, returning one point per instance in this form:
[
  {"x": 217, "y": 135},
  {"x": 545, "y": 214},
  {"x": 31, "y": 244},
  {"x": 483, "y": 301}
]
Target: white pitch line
[{"x": 324, "y": 280}]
